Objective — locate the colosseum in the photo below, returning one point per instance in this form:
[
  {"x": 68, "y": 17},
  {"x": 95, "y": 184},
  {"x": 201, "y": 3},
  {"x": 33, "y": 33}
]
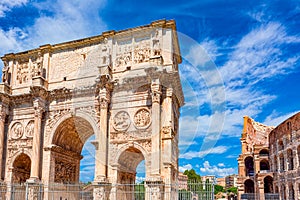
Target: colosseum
[
  {"x": 269, "y": 162},
  {"x": 255, "y": 178},
  {"x": 284, "y": 143}
]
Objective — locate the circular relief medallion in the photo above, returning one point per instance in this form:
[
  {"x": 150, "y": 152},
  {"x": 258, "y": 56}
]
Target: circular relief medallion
[
  {"x": 29, "y": 129},
  {"x": 121, "y": 121},
  {"x": 16, "y": 130},
  {"x": 142, "y": 118}
]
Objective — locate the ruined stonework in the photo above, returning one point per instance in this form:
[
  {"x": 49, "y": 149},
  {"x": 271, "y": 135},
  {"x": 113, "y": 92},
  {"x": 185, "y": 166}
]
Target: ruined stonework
[
  {"x": 255, "y": 176},
  {"x": 123, "y": 87},
  {"x": 285, "y": 157}
]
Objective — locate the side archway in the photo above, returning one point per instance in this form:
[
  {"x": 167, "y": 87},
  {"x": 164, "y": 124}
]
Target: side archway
[
  {"x": 21, "y": 168},
  {"x": 127, "y": 159}
]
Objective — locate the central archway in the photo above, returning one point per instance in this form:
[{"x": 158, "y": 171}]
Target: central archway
[{"x": 68, "y": 140}]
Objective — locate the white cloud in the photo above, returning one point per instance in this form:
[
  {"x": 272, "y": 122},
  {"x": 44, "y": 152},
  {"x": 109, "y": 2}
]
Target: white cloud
[
  {"x": 257, "y": 56},
  {"x": 275, "y": 118},
  {"x": 219, "y": 171},
  {"x": 7, "y": 5},
  {"x": 221, "y": 165},
  {"x": 68, "y": 21},
  {"x": 185, "y": 167},
  {"x": 203, "y": 153}
]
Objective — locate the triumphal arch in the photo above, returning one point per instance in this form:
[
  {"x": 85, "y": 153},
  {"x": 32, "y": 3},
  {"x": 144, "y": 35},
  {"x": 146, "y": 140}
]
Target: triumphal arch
[{"x": 123, "y": 87}]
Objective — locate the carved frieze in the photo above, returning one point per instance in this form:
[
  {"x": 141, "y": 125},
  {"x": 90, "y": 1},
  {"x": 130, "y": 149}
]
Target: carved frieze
[
  {"x": 54, "y": 116},
  {"x": 23, "y": 72},
  {"x": 99, "y": 193},
  {"x": 64, "y": 172},
  {"x": 121, "y": 121},
  {"x": 29, "y": 129},
  {"x": 5, "y": 72},
  {"x": 17, "y": 130},
  {"x": 142, "y": 52},
  {"x": 37, "y": 65},
  {"x": 142, "y": 118}
]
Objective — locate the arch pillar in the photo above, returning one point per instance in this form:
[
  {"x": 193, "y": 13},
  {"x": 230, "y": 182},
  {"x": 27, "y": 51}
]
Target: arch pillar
[
  {"x": 3, "y": 113},
  {"x": 101, "y": 185},
  {"x": 38, "y": 105},
  {"x": 155, "y": 136}
]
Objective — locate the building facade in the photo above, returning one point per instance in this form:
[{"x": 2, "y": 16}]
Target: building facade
[
  {"x": 122, "y": 87},
  {"x": 285, "y": 157},
  {"x": 254, "y": 176},
  {"x": 221, "y": 182},
  {"x": 231, "y": 181}
]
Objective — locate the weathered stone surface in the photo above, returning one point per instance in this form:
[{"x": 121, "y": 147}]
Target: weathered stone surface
[{"x": 123, "y": 87}]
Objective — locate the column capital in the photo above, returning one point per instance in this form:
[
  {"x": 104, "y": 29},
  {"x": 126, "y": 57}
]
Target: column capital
[
  {"x": 104, "y": 98},
  {"x": 169, "y": 92},
  {"x": 39, "y": 107}
]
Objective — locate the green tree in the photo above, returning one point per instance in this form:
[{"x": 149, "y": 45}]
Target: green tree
[
  {"x": 233, "y": 190},
  {"x": 192, "y": 175},
  {"x": 218, "y": 188}
]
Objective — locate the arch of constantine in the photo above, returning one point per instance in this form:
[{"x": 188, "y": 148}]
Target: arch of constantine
[{"x": 122, "y": 87}]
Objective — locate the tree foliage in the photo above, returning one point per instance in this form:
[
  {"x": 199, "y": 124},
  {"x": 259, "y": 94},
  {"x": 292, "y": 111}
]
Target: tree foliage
[
  {"x": 233, "y": 190},
  {"x": 218, "y": 188},
  {"x": 192, "y": 175}
]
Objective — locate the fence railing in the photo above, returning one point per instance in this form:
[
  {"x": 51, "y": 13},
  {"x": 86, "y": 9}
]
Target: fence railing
[
  {"x": 135, "y": 191},
  {"x": 257, "y": 196}
]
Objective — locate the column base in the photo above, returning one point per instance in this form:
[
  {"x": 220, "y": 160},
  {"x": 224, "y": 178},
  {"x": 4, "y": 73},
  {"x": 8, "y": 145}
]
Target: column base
[
  {"x": 154, "y": 189},
  {"x": 34, "y": 188},
  {"x": 33, "y": 180},
  {"x": 101, "y": 190}
]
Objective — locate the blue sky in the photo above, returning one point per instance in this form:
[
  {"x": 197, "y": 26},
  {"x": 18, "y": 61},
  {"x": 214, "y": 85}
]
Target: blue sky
[{"x": 238, "y": 59}]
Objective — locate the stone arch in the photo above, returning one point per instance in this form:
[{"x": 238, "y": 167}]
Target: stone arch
[
  {"x": 282, "y": 163},
  {"x": 68, "y": 136},
  {"x": 16, "y": 154},
  {"x": 290, "y": 159},
  {"x": 264, "y": 152},
  {"x": 249, "y": 166},
  {"x": 249, "y": 186},
  {"x": 268, "y": 184},
  {"x": 133, "y": 150},
  {"x": 21, "y": 167},
  {"x": 80, "y": 114},
  {"x": 264, "y": 165}
]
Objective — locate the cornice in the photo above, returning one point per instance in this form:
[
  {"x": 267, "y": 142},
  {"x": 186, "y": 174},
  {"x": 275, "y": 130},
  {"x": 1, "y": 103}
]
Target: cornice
[{"x": 94, "y": 39}]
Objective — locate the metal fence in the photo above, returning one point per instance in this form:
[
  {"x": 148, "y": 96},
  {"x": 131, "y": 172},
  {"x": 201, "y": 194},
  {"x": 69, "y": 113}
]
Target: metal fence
[
  {"x": 256, "y": 196},
  {"x": 136, "y": 191}
]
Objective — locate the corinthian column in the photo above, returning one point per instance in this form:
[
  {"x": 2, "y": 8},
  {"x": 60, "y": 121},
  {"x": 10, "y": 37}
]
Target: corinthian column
[
  {"x": 3, "y": 112},
  {"x": 155, "y": 136},
  {"x": 38, "y": 105},
  {"x": 101, "y": 151}
]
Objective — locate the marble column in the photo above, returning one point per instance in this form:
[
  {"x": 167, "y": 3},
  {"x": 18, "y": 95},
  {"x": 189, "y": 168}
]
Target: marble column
[
  {"x": 38, "y": 105},
  {"x": 101, "y": 187},
  {"x": 155, "y": 136},
  {"x": 101, "y": 150},
  {"x": 3, "y": 113}
]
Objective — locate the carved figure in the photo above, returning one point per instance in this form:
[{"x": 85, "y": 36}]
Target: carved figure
[
  {"x": 17, "y": 130},
  {"x": 121, "y": 121},
  {"x": 37, "y": 66},
  {"x": 29, "y": 129},
  {"x": 156, "y": 44},
  {"x": 142, "y": 118}
]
